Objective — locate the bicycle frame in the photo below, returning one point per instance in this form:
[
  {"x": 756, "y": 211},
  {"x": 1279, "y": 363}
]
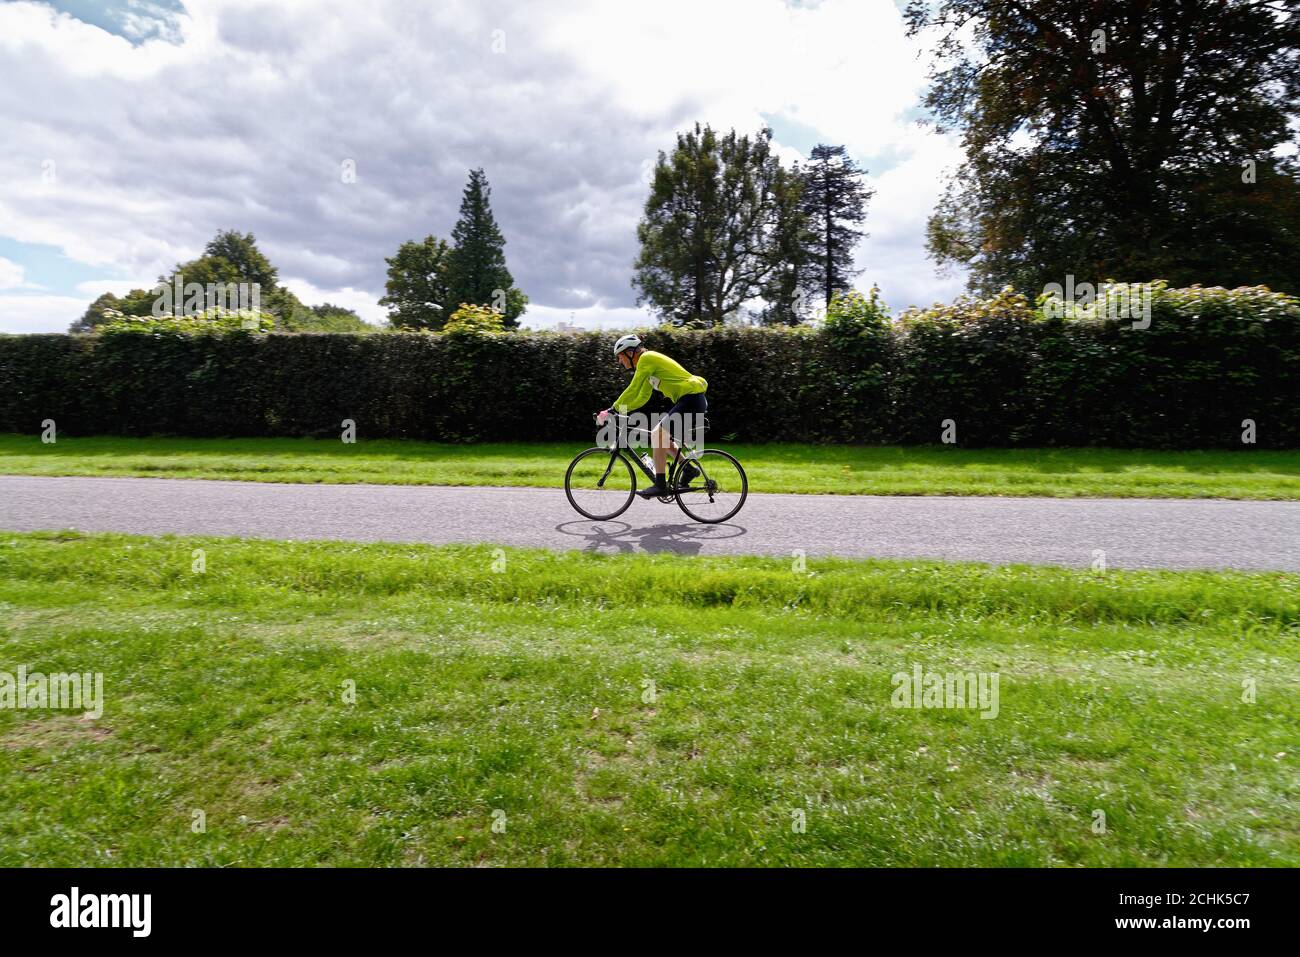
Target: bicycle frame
[{"x": 618, "y": 449}]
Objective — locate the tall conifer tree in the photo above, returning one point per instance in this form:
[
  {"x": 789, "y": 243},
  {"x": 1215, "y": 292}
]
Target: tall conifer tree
[
  {"x": 476, "y": 267},
  {"x": 835, "y": 202}
]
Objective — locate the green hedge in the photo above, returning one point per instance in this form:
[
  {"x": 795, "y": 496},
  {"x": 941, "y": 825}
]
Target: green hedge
[{"x": 1005, "y": 372}]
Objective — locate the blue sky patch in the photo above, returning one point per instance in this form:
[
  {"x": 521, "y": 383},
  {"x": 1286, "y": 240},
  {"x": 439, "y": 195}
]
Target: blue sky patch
[
  {"x": 135, "y": 20},
  {"x": 46, "y": 267}
]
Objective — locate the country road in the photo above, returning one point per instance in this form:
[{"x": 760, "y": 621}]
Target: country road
[{"x": 1132, "y": 533}]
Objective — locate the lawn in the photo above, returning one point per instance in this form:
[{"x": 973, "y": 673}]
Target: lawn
[
  {"x": 528, "y": 708},
  {"x": 848, "y": 470}
]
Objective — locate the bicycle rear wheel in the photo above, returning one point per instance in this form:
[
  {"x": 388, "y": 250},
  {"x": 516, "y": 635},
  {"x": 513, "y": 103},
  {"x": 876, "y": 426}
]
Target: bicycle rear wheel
[
  {"x": 718, "y": 492},
  {"x": 600, "y": 484}
]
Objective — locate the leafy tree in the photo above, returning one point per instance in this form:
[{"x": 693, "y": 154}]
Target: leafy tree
[
  {"x": 108, "y": 307},
  {"x": 241, "y": 252},
  {"x": 207, "y": 269},
  {"x": 784, "y": 297},
  {"x": 94, "y": 314},
  {"x": 785, "y": 290},
  {"x": 230, "y": 257},
  {"x": 834, "y": 200},
  {"x": 853, "y": 313},
  {"x": 1115, "y": 139},
  {"x": 721, "y": 217},
  {"x": 476, "y": 267},
  {"x": 233, "y": 257},
  {"x": 281, "y": 303},
  {"x": 416, "y": 291},
  {"x": 325, "y": 318}
]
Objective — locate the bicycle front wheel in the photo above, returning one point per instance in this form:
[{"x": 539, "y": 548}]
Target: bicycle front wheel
[
  {"x": 600, "y": 484},
  {"x": 718, "y": 492}
]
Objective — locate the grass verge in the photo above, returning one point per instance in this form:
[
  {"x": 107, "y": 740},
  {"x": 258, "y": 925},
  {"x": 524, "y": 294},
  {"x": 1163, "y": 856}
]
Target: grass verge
[
  {"x": 847, "y": 470},
  {"x": 637, "y": 710}
]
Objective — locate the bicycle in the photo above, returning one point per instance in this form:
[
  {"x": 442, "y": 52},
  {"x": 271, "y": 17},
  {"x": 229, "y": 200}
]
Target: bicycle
[{"x": 601, "y": 481}]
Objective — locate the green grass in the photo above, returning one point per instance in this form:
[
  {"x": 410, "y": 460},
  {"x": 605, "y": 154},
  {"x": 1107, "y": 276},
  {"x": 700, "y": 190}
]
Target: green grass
[
  {"x": 849, "y": 470},
  {"x": 522, "y": 689}
]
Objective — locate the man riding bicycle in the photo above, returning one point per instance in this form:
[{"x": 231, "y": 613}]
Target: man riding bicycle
[{"x": 655, "y": 371}]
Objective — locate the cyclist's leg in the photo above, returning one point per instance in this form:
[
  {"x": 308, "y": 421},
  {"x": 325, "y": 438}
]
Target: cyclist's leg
[
  {"x": 684, "y": 426},
  {"x": 661, "y": 442},
  {"x": 659, "y": 450}
]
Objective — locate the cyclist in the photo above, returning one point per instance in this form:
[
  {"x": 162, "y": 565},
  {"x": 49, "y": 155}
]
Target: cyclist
[{"x": 654, "y": 370}]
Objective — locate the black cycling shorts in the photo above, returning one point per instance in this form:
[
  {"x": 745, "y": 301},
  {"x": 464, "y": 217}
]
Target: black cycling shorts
[{"x": 684, "y": 422}]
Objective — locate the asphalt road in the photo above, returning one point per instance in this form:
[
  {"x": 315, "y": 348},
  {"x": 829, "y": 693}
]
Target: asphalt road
[{"x": 1133, "y": 533}]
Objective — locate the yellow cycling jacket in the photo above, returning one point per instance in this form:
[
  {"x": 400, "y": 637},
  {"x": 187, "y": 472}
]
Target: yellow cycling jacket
[{"x": 654, "y": 370}]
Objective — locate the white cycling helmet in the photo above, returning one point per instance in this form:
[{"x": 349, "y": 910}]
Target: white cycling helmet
[{"x": 629, "y": 341}]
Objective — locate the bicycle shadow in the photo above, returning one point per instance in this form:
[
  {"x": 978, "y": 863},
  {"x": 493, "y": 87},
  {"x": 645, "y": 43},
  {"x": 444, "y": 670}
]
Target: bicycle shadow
[{"x": 683, "y": 539}]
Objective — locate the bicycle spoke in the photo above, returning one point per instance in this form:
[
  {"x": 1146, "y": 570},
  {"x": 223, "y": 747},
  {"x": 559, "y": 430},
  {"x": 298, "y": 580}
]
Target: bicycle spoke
[
  {"x": 599, "y": 485},
  {"x": 718, "y": 492}
]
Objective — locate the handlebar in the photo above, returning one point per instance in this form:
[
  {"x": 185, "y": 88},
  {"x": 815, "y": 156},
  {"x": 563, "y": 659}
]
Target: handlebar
[{"x": 595, "y": 417}]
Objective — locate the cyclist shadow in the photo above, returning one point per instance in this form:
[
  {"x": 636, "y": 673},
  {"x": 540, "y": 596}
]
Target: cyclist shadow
[{"x": 685, "y": 539}]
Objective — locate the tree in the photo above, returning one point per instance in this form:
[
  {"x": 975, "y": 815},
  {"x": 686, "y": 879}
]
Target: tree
[
  {"x": 95, "y": 313},
  {"x": 233, "y": 257},
  {"x": 834, "y": 200},
  {"x": 1112, "y": 139},
  {"x": 476, "y": 267},
  {"x": 241, "y": 252},
  {"x": 785, "y": 290},
  {"x": 416, "y": 292},
  {"x": 108, "y": 308},
  {"x": 230, "y": 257},
  {"x": 717, "y": 224},
  {"x": 325, "y": 318}
]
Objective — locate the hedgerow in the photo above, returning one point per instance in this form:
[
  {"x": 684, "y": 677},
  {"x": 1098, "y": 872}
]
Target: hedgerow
[{"x": 1007, "y": 372}]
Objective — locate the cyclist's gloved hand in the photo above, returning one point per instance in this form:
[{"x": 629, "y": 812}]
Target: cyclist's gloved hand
[{"x": 602, "y": 416}]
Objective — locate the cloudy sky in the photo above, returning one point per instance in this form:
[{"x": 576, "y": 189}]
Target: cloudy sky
[{"x": 136, "y": 129}]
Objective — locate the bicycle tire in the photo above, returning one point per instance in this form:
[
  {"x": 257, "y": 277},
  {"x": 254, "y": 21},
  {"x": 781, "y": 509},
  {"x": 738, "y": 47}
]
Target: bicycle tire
[
  {"x": 744, "y": 490},
  {"x": 568, "y": 489}
]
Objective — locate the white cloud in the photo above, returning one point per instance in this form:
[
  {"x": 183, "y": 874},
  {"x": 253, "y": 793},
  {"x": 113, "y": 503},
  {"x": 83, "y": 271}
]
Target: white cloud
[
  {"x": 11, "y": 274},
  {"x": 905, "y": 196},
  {"x": 94, "y": 288},
  {"x": 38, "y": 31},
  {"x": 843, "y": 66},
  {"x": 129, "y": 158},
  {"x": 19, "y": 313},
  {"x": 364, "y": 304}
]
